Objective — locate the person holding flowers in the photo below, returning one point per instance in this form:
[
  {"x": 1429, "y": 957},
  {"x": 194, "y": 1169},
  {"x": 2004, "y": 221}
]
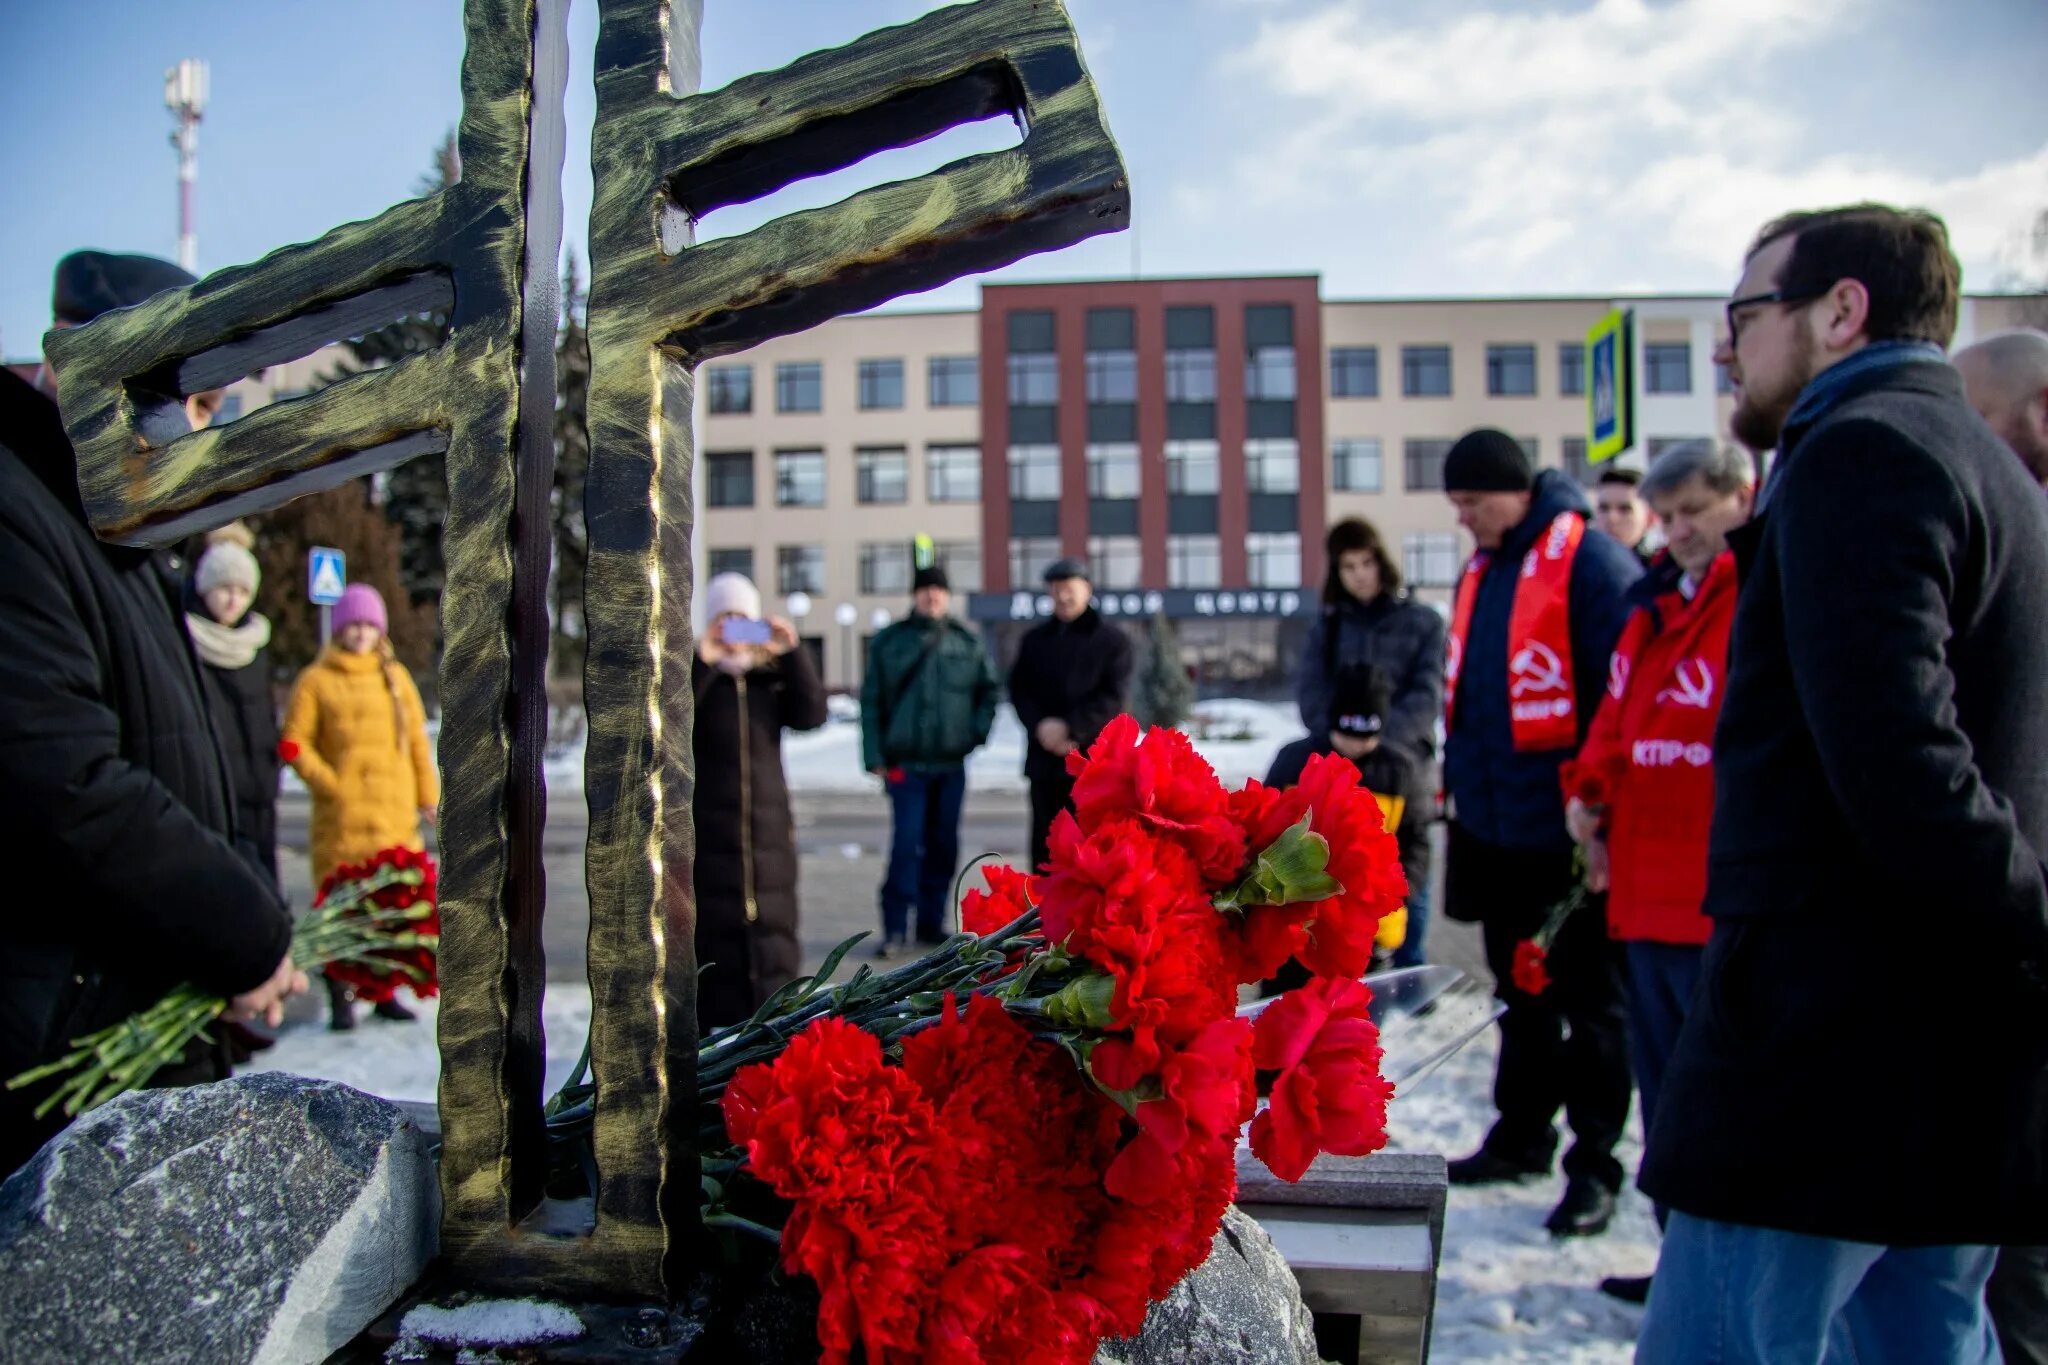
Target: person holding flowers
[
  {"x": 356, "y": 732},
  {"x": 113, "y": 807},
  {"x": 1640, "y": 796}
]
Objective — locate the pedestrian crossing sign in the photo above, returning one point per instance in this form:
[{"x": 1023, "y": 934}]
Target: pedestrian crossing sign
[
  {"x": 326, "y": 575},
  {"x": 1610, "y": 386}
]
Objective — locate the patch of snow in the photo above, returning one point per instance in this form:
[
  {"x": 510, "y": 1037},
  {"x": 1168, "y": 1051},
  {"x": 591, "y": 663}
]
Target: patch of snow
[{"x": 492, "y": 1322}]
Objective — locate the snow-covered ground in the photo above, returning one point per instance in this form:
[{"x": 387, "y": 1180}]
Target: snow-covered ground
[
  {"x": 1508, "y": 1292},
  {"x": 1238, "y": 737}
]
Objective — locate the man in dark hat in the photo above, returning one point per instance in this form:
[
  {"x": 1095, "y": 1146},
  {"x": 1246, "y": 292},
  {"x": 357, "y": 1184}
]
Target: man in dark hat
[
  {"x": 1538, "y": 610},
  {"x": 926, "y": 702},
  {"x": 111, "y": 784},
  {"x": 1068, "y": 682},
  {"x": 90, "y": 283}
]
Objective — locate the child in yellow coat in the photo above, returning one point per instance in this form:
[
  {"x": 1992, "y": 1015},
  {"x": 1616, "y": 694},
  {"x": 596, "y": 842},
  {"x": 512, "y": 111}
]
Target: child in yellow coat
[{"x": 356, "y": 734}]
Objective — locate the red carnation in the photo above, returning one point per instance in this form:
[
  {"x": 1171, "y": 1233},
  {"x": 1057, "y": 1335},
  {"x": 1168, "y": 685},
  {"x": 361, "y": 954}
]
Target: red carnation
[
  {"x": 1530, "y": 971},
  {"x": 1008, "y": 897},
  {"x": 1592, "y": 783},
  {"x": 1364, "y": 859},
  {"x": 1160, "y": 780},
  {"x": 1330, "y": 1096},
  {"x": 419, "y": 966},
  {"x": 288, "y": 750}
]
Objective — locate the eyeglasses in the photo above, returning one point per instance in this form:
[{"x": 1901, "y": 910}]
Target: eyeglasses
[{"x": 1752, "y": 300}]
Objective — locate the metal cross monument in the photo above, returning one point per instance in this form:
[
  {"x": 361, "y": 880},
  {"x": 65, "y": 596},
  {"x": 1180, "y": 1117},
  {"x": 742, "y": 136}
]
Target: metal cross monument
[{"x": 485, "y": 250}]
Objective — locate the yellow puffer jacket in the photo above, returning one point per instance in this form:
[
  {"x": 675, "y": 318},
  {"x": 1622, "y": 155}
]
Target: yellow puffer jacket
[{"x": 357, "y": 734}]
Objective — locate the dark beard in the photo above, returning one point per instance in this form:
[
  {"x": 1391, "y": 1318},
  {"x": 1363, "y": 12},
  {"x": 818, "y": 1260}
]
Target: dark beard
[{"x": 1756, "y": 428}]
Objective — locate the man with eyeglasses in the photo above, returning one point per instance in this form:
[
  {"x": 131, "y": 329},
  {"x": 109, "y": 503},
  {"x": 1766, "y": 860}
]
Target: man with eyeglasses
[{"x": 1843, "y": 1143}]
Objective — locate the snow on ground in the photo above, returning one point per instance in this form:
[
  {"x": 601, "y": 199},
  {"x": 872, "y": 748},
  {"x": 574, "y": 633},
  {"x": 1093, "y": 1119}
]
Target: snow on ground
[{"x": 1507, "y": 1294}]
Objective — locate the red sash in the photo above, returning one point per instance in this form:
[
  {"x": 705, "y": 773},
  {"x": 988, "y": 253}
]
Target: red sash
[{"x": 1542, "y": 697}]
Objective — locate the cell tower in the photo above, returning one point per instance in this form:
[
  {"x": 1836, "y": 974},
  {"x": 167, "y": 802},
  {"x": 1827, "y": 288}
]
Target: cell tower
[{"x": 185, "y": 97}]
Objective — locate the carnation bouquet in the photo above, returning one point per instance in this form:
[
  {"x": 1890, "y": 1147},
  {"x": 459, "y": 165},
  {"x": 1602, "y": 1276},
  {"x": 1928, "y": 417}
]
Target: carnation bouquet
[
  {"x": 1007, "y": 1150},
  {"x": 372, "y": 924}
]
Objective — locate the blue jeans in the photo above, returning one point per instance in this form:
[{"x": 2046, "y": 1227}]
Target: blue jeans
[
  {"x": 924, "y": 851},
  {"x": 1409, "y": 954},
  {"x": 1726, "y": 1294}
]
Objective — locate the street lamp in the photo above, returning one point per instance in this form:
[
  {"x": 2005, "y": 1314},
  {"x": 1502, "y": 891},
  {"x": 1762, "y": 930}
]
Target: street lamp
[{"x": 846, "y": 614}]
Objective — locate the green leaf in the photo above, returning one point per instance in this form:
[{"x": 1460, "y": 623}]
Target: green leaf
[
  {"x": 832, "y": 961},
  {"x": 1292, "y": 870}
]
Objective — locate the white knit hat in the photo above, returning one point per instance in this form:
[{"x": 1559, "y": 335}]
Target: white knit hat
[
  {"x": 226, "y": 564},
  {"x": 731, "y": 592}
]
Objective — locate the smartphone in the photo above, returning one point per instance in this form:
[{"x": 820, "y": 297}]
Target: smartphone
[{"x": 739, "y": 630}]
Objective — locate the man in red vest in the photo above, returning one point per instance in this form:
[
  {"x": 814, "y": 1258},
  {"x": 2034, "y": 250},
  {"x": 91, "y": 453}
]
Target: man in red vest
[
  {"x": 1538, "y": 610},
  {"x": 1640, "y": 796}
]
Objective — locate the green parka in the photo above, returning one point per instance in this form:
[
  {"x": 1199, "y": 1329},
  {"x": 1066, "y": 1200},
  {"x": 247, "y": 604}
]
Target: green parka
[{"x": 929, "y": 695}]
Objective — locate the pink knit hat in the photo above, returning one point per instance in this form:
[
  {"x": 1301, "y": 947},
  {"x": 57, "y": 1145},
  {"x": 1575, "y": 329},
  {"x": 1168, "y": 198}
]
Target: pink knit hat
[{"x": 360, "y": 602}]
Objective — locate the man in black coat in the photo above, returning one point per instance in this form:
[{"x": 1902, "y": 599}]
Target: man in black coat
[
  {"x": 114, "y": 805},
  {"x": 1068, "y": 682},
  {"x": 1842, "y": 1145}
]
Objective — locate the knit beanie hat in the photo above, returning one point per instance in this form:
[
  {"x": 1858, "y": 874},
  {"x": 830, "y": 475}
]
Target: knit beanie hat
[
  {"x": 227, "y": 565},
  {"x": 731, "y": 592},
  {"x": 1358, "y": 700},
  {"x": 1488, "y": 461},
  {"x": 360, "y": 602},
  {"x": 931, "y": 576},
  {"x": 90, "y": 283}
]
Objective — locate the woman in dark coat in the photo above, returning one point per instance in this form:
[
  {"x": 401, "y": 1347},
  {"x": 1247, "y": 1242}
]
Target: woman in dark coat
[
  {"x": 231, "y": 641},
  {"x": 1368, "y": 621},
  {"x": 747, "y": 694}
]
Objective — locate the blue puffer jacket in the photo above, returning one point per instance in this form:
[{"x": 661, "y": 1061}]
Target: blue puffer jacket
[{"x": 1502, "y": 797}]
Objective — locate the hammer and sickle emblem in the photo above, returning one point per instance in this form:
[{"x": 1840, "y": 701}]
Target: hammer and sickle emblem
[
  {"x": 1536, "y": 668},
  {"x": 1693, "y": 685}
]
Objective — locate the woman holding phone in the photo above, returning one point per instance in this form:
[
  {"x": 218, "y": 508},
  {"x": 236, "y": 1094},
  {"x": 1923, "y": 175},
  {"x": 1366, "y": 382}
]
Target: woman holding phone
[{"x": 752, "y": 680}]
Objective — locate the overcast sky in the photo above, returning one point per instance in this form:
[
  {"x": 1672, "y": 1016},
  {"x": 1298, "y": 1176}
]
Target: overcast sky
[{"x": 1395, "y": 147}]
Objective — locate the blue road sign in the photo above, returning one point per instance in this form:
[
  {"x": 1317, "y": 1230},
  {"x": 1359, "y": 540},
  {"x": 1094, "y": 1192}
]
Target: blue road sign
[
  {"x": 1610, "y": 386},
  {"x": 326, "y": 575}
]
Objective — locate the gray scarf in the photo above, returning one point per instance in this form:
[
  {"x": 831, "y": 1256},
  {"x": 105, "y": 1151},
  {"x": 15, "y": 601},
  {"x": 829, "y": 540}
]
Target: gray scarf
[{"x": 233, "y": 646}]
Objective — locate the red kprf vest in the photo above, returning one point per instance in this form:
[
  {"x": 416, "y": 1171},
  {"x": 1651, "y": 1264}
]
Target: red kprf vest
[{"x": 1542, "y": 696}]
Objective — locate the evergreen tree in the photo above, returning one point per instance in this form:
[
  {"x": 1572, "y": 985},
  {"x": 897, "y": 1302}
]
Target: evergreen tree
[
  {"x": 1165, "y": 694},
  {"x": 572, "y": 463}
]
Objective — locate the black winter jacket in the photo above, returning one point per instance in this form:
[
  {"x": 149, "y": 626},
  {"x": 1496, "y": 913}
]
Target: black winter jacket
[
  {"x": 1402, "y": 638},
  {"x": 1078, "y": 671},
  {"x": 1503, "y": 797},
  {"x": 745, "y": 874},
  {"x": 1867, "y": 1052},
  {"x": 114, "y": 809},
  {"x": 245, "y": 719}
]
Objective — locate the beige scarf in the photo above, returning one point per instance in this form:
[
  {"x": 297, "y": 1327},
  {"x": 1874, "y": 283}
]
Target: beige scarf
[{"x": 233, "y": 646}]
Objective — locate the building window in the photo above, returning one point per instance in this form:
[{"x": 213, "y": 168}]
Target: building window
[
  {"x": 1426, "y": 371},
  {"x": 737, "y": 559},
  {"x": 1667, "y": 367},
  {"x": 881, "y": 384},
  {"x": 1273, "y": 559},
  {"x": 799, "y": 386},
  {"x": 1355, "y": 372},
  {"x": 799, "y": 478},
  {"x": 799, "y": 568},
  {"x": 1194, "y": 561},
  {"x": 1035, "y": 473},
  {"x": 1576, "y": 465},
  {"x": 1113, "y": 470},
  {"x": 885, "y": 568},
  {"x": 1191, "y": 375},
  {"x": 1272, "y": 464},
  {"x": 1424, "y": 461},
  {"x": 1269, "y": 373},
  {"x": 952, "y": 473},
  {"x": 729, "y": 478},
  {"x": 1112, "y": 376},
  {"x": 1030, "y": 557},
  {"x": 1532, "y": 446},
  {"x": 882, "y": 474},
  {"x": 1571, "y": 368},
  {"x": 1191, "y": 467},
  {"x": 1115, "y": 561},
  {"x": 1510, "y": 371},
  {"x": 730, "y": 388},
  {"x": 1429, "y": 559},
  {"x": 1355, "y": 465},
  {"x": 1724, "y": 382},
  {"x": 961, "y": 559},
  {"x": 955, "y": 381},
  {"x": 1034, "y": 380}
]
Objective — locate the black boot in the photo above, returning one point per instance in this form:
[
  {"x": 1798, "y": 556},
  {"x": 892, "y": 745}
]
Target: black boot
[
  {"x": 341, "y": 1006},
  {"x": 1485, "y": 1167},
  {"x": 392, "y": 1010},
  {"x": 1627, "y": 1288},
  {"x": 1585, "y": 1211}
]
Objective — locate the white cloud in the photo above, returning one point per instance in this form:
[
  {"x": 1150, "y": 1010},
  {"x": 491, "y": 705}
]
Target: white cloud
[{"x": 1564, "y": 150}]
